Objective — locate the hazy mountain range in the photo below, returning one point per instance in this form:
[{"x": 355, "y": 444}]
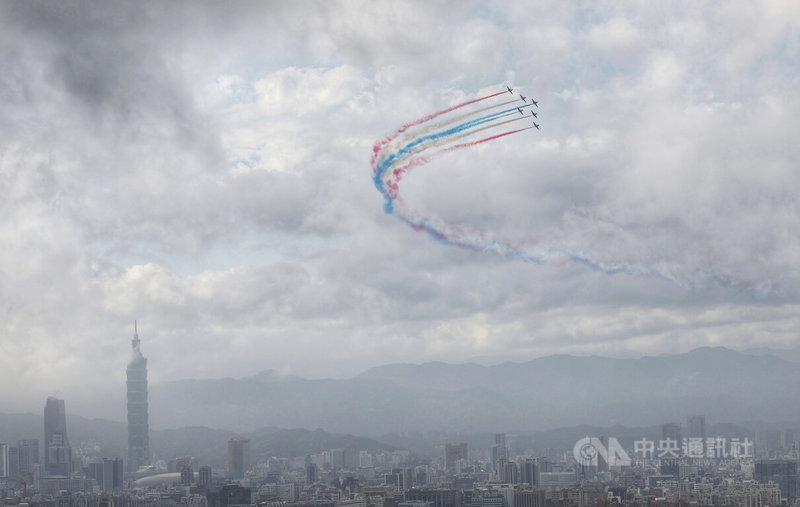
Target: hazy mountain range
[
  {"x": 549, "y": 392},
  {"x": 549, "y": 401}
]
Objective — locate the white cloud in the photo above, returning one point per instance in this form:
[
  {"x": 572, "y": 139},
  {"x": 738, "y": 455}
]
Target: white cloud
[
  {"x": 300, "y": 91},
  {"x": 206, "y": 170},
  {"x": 617, "y": 39}
]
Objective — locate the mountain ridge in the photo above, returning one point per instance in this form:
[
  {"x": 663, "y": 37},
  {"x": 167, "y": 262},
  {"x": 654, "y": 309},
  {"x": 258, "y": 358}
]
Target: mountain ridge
[{"x": 547, "y": 392}]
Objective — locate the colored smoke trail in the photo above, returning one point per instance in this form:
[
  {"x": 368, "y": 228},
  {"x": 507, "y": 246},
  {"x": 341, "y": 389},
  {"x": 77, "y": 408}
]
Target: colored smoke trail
[
  {"x": 435, "y": 140},
  {"x": 399, "y": 172},
  {"x": 378, "y": 144},
  {"x": 395, "y": 156},
  {"x": 426, "y": 129},
  {"x": 492, "y": 138},
  {"x": 427, "y": 141}
]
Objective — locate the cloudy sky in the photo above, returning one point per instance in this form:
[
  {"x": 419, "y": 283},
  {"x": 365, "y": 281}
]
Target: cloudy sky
[{"x": 204, "y": 168}]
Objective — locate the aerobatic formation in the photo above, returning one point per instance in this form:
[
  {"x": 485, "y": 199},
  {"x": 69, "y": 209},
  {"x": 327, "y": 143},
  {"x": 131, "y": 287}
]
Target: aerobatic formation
[{"x": 421, "y": 141}]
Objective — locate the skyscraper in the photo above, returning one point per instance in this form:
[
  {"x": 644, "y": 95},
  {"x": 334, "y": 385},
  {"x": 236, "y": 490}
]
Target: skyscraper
[
  {"x": 13, "y": 463},
  {"x": 28, "y": 455},
  {"x": 311, "y": 473},
  {"x": 696, "y": 427},
  {"x": 499, "y": 449},
  {"x": 780, "y": 471},
  {"x": 3, "y": 461},
  {"x": 453, "y": 453},
  {"x": 107, "y": 473},
  {"x": 671, "y": 431},
  {"x": 57, "y": 452},
  {"x": 238, "y": 457},
  {"x": 204, "y": 477},
  {"x": 138, "y": 429},
  {"x": 530, "y": 472},
  {"x": 187, "y": 475},
  {"x": 351, "y": 455}
]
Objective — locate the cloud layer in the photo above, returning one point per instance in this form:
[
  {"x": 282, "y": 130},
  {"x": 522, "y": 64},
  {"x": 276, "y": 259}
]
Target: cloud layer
[{"x": 205, "y": 169}]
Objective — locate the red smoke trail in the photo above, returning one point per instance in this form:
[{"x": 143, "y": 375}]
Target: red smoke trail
[
  {"x": 473, "y": 143},
  {"x": 399, "y": 172},
  {"x": 379, "y": 144}
]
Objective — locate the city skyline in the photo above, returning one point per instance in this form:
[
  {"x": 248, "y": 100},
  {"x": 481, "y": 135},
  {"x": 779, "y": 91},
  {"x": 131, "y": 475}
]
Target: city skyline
[
  {"x": 506, "y": 473},
  {"x": 520, "y": 477},
  {"x": 400, "y": 253}
]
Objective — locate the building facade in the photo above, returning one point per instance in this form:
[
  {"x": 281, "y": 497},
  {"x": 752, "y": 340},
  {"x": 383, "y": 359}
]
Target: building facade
[
  {"x": 238, "y": 457},
  {"x": 780, "y": 471},
  {"x": 28, "y": 456},
  {"x": 138, "y": 427},
  {"x": 453, "y": 453},
  {"x": 57, "y": 451}
]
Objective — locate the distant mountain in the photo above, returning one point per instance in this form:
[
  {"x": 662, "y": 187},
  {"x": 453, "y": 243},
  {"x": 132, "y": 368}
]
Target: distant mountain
[
  {"x": 549, "y": 392},
  {"x": 792, "y": 355}
]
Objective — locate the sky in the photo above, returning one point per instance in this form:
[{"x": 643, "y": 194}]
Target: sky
[{"x": 204, "y": 169}]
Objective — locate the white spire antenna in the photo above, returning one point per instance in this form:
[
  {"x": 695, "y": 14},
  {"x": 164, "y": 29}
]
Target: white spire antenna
[{"x": 135, "y": 342}]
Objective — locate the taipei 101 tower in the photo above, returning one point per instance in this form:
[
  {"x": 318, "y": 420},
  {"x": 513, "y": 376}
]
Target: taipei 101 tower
[{"x": 138, "y": 429}]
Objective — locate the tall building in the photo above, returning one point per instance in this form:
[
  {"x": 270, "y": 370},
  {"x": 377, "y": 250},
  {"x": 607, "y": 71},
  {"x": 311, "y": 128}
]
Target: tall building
[
  {"x": 176, "y": 465},
  {"x": 3, "y": 461},
  {"x": 602, "y": 463},
  {"x": 138, "y": 428},
  {"x": 671, "y": 431},
  {"x": 13, "y": 463},
  {"x": 696, "y": 428},
  {"x": 453, "y": 453},
  {"x": 187, "y": 475},
  {"x": 107, "y": 473},
  {"x": 767, "y": 443},
  {"x": 57, "y": 452},
  {"x": 351, "y": 458},
  {"x": 499, "y": 449},
  {"x": 311, "y": 473},
  {"x": 204, "y": 477},
  {"x": 238, "y": 457},
  {"x": 530, "y": 472},
  {"x": 337, "y": 458},
  {"x": 28, "y": 455},
  {"x": 508, "y": 472},
  {"x": 780, "y": 471}
]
